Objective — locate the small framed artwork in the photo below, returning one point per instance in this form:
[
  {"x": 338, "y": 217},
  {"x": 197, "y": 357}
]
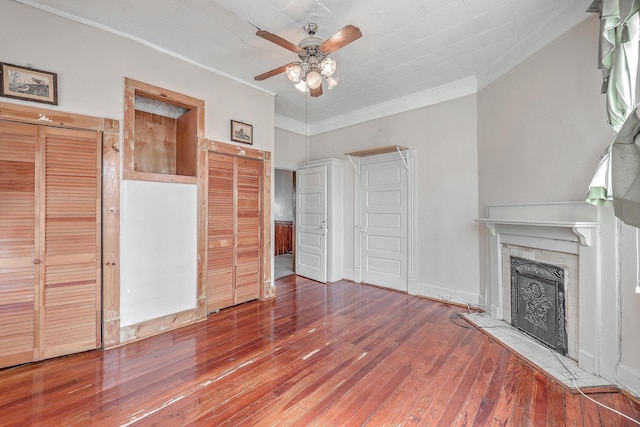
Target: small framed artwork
[
  {"x": 241, "y": 132},
  {"x": 28, "y": 84}
]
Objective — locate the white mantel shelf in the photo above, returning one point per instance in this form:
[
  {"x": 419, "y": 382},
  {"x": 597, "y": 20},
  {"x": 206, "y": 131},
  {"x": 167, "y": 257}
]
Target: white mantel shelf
[{"x": 583, "y": 229}]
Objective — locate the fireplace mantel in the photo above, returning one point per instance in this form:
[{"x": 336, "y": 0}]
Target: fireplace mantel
[
  {"x": 584, "y": 230},
  {"x": 571, "y": 227}
]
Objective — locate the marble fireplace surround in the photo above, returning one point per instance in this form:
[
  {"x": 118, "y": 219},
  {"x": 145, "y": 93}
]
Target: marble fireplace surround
[{"x": 577, "y": 228}]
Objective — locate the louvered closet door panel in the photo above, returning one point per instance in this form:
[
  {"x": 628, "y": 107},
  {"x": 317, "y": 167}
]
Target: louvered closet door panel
[
  {"x": 71, "y": 317},
  {"x": 18, "y": 273},
  {"x": 221, "y": 213},
  {"x": 248, "y": 230}
]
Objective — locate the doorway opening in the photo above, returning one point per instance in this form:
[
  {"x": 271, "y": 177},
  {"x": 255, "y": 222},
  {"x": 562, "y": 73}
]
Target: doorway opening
[{"x": 284, "y": 219}]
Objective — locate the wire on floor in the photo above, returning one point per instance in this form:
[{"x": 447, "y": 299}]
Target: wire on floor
[{"x": 572, "y": 375}]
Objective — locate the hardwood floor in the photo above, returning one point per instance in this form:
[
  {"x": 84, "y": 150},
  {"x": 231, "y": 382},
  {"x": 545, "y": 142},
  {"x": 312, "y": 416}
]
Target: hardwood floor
[{"x": 339, "y": 354}]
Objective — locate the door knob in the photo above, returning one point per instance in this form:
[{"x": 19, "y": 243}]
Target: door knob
[{"x": 36, "y": 261}]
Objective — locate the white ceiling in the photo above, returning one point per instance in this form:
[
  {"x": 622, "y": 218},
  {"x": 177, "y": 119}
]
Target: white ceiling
[{"x": 407, "y": 47}]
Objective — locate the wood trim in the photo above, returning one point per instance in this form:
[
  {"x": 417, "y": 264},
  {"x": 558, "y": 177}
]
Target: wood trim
[
  {"x": 374, "y": 151},
  {"x": 268, "y": 286},
  {"x": 159, "y": 177},
  {"x": 45, "y": 117},
  {"x": 110, "y": 129},
  {"x": 160, "y": 94},
  {"x": 133, "y": 87},
  {"x": 236, "y": 150},
  {"x": 203, "y": 224},
  {"x": 156, "y": 326},
  {"x": 129, "y": 124},
  {"x": 111, "y": 239}
]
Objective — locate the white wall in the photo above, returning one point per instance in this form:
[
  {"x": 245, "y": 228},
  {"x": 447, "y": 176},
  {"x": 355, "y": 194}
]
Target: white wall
[
  {"x": 444, "y": 137},
  {"x": 156, "y": 280},
  {"x": 290, "y": 149},
  {"x": 549, "y": 111}
]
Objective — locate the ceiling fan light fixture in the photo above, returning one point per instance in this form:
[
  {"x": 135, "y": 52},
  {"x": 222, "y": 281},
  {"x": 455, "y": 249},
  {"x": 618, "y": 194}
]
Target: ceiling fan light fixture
[
  {"x": 328, "y": 67},
  {"x": 301, "y": 86},
  {"x": 314, "y": 80},
  {"x": 333, "y": 82},
  {"x": 294, "y": 72}
]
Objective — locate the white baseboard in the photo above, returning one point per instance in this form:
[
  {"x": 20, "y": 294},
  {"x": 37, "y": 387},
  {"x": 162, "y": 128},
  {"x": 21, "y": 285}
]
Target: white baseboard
[
  {"x": 347, "y": 273},
  {"x": 448, "y": 295},
  {"x": 629, "y": 379}
]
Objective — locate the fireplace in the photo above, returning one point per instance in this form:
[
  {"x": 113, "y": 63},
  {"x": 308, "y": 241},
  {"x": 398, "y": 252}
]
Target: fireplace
[
  {"x": 579, "y": 239},
  {"x": 538, "y": 302}
]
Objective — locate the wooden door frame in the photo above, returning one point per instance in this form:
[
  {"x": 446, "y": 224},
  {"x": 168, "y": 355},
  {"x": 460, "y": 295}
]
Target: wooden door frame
[
  {"x": 205, "y": 146},
  {"x": 110, "y": 130}
]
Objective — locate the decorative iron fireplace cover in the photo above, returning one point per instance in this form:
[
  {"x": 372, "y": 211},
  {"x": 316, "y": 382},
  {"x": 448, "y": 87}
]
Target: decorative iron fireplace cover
[{"x": 537, "y": 302}]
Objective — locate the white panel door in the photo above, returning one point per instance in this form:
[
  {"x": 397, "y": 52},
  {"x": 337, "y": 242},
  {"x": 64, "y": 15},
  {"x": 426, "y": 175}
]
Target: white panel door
[
  {"x": 384, "y": 224},
  {"x": 311, "y": 223}
]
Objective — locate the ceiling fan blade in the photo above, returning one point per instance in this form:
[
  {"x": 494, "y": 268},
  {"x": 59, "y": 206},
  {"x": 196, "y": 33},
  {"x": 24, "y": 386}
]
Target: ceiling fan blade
[
  {"x": 340, "y": 39},
  {"x": 316, "y": 92},
  {"x": 273, "y": 72},
  {"x": 279, "y": 41}
]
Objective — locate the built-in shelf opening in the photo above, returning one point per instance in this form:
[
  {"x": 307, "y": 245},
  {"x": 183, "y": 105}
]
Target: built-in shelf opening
[{"x": 162, "y": 129}]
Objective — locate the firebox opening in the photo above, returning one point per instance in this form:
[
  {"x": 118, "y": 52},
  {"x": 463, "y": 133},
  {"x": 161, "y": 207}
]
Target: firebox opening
[{"x": 538, "y": 302}]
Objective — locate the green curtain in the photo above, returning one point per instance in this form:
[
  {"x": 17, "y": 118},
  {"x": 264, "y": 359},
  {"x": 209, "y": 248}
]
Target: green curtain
[{"x": 618, "y": 54}]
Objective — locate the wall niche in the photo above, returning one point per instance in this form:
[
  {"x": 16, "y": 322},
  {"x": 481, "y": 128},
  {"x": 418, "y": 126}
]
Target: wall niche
[{"x": 162, "y": 129}]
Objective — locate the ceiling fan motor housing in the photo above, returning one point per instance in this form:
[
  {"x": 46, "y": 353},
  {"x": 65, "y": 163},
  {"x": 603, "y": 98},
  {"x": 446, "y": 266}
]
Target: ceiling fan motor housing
[{"x": 311, "y": 28}]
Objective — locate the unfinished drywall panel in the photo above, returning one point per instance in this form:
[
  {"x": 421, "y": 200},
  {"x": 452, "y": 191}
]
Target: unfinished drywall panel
[{"x": 158, "y": 250}]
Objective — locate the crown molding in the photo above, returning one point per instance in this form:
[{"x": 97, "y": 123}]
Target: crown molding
[
  {"x": 291, "y": 125},
  {"x": 458, "y": 89}
]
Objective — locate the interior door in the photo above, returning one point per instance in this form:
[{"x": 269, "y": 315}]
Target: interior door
[
  {"x": 18, "y": 258},
  {"x": 233, "y": 235},
  {"x": 384, "y": 224},
  {"x": 248, "y": 230},
  {"x": 220, "y": 232},
  {"x": 311, "y": 223},
  {"x": 70, "y": 282},
  {"x": 50, "y": 242}
]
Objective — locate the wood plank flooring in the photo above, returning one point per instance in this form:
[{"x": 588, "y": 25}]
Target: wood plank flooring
[{"x": 339, "y": 354}]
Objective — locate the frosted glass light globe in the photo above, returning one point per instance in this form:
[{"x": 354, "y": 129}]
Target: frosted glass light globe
[{"x": 313, "y": 80}]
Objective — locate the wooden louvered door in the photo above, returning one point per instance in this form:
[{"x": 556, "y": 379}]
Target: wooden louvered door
[
  {"x": 49, "y": 242},
  {"x": 233, "y": 260},
  {"x": 247, "y": 230},
  {"x": 19, "y": 272},
  {"x": 220, "y": 240},
  {"x": 70, "y": 316}
]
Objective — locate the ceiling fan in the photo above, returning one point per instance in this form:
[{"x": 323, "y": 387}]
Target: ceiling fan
[{"x": 313, "y": 53}]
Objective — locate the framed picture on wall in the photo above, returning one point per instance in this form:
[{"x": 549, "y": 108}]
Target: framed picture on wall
[
  {"x": 241, "y": 132},
  {"x": 28, "y": 84}
]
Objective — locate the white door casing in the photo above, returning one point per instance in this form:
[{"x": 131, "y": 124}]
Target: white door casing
[
  {"x": 384, "y": 223},
  {"x": 311, "y": 223}
]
